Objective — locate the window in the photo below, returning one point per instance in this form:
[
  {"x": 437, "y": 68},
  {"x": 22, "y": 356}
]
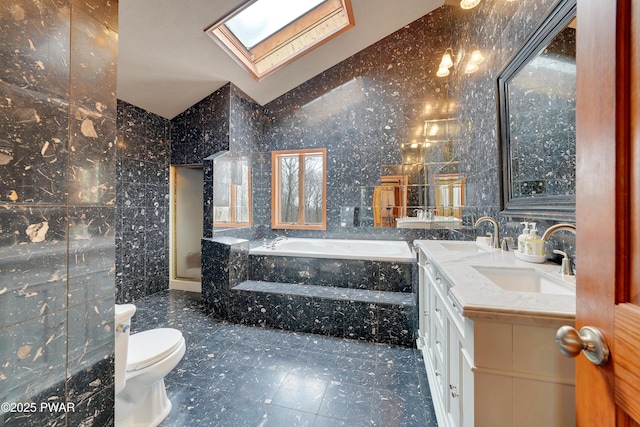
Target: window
[
  {"x": 231, "y": 192},
  {"x": 268, "y": 34},
  {"x": 299, "y": 181}
]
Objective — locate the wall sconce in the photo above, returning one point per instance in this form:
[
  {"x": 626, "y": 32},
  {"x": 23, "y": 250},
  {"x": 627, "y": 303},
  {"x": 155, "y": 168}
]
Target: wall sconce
[
  {"x": 447, "y": 62},
  {"x": 469, "y": 4},
  {"x": 475, "y": 60}
]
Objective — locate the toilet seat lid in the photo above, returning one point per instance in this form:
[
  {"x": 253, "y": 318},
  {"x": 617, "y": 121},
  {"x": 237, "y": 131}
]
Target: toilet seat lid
[{"x": 149, "y": 347}]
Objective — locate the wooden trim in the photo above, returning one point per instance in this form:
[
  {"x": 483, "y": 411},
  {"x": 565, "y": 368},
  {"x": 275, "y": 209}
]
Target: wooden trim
[
  {"x": 597, "y": 194},
  {"x": 634, "y": 120},
  {"x": 297, "y": 27},
  {"x": 277, "y": 51},
  {"x": 627, "y": 380},
  {"x": 275, "y": 185}
]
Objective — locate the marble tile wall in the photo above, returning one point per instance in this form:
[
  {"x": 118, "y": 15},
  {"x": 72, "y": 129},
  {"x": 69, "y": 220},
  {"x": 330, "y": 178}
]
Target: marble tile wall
[
  {"x": 499, "y": 29},
  {"x": 57, "y": 179},
  {"x": 364, "y": 108},
  {"x": 142, "y": 204},
  {"x": 226, "y": 120}
]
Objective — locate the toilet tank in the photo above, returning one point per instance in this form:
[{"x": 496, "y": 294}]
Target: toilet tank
[{"x": 123, "y": 314}]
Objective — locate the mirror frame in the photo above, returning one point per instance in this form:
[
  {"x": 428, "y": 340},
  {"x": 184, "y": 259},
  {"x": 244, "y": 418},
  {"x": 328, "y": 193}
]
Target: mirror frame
[{"x": 560, "y": 208}]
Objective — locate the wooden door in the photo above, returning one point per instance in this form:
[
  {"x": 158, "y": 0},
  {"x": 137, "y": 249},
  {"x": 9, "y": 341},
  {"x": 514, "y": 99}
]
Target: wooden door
[{"x": 608, "y": 208}]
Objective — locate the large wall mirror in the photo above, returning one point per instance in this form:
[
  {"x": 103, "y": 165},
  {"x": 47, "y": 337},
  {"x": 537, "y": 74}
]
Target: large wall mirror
[
  {"x": 537, "y": 105},
  {"x": 425, "y": 191}
]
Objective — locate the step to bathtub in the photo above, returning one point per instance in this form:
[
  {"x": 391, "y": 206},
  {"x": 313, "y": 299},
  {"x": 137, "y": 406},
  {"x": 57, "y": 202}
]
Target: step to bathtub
[
  {"x": 312, "y": 291},
  {"x": 377, "y": 316}
]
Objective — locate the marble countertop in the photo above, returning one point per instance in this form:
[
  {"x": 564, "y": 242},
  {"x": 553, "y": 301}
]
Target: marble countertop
[{"x": 479, "y": 297}]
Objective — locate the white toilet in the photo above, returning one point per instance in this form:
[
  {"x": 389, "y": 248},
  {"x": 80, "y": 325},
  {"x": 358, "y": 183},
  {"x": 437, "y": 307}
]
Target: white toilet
[{"x": 142, "y": 361}]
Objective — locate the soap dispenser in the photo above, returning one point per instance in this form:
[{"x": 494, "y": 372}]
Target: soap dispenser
[
  {"x": 522, "y": 237},
  {"x": 534, "y": 245}
]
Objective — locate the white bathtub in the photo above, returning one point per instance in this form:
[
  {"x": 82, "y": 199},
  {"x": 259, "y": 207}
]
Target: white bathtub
[{"x": 375, "y": 250}]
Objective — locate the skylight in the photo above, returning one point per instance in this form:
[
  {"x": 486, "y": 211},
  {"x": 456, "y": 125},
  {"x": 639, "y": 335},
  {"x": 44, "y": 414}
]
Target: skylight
[
  {"x": 264, "y": 18},
  {"x": 268, "y": 34}
]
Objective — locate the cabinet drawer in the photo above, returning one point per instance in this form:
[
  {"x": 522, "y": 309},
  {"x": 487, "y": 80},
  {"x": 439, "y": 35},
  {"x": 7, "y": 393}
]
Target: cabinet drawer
[
  {"x": 439, "y": 342},
  {"x": 440, "y": 380},
  {"x": 439, "y": 311},
  {"x": 429, "y": 268}
]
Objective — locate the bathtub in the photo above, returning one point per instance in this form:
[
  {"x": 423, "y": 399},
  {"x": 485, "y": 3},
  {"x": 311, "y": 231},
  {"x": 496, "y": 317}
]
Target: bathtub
[{"x": 372, "y": 250}]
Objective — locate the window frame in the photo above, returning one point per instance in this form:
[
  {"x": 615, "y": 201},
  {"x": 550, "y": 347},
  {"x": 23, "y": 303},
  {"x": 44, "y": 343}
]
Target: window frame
[
  {"x": 301, "y": 36},
  {"x": 275, "y": 189}
]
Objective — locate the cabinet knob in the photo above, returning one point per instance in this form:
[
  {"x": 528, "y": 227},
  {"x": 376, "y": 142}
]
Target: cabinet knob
[{"x": 454, "y": 390}]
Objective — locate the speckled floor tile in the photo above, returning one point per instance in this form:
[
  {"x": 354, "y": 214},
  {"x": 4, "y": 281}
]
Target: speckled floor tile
[{"x": 235, "y": 375}]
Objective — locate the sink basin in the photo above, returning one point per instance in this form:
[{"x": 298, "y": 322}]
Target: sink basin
[
  {"x": 461, "y": 246},
  {"x": 526, "y": 280}
]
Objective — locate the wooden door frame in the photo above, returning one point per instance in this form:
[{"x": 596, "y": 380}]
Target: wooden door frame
[{"x": 603, "y": 194}]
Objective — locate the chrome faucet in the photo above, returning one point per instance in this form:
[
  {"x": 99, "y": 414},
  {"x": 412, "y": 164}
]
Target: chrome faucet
[
  {"x": 565, "y": 268},
  {"x": 272, "y": 244},
  {"x": 495, "y": 238}
]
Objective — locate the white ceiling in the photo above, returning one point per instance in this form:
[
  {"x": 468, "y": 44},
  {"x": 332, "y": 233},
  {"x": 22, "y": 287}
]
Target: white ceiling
[{"x": 166, "y": 63}]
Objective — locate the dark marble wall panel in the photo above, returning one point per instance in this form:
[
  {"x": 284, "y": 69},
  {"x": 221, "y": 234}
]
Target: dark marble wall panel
[
  {"x": 91, "y": 254},
  {"x": 33, "y": 262},
  {"x": 91, "y": 349},
  {"x": 362, "y": 110},
  {"x": 142, "y": 203},
  {"x": 202, "y": 129},
  {"x": 499, "y": 30},
  {"x": 36, "y": 47},
  {"x": 34, "y": 359},
  {"x": 93, "y": 87},
  {"x": 225, "y": 265},
  {"x": 33, "y": 146},
  {"x": 57, "y": 196}
]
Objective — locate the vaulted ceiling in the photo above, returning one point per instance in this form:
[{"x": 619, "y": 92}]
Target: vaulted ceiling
[{"x": 166, "y": 62}]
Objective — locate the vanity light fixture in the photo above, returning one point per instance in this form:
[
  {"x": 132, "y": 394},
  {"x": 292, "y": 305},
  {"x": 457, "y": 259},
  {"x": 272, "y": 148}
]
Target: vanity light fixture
[
  {"x": 469, "y": 4},
  {"x": 475, "y": 60},
  {"x": 447, "y": 62}
]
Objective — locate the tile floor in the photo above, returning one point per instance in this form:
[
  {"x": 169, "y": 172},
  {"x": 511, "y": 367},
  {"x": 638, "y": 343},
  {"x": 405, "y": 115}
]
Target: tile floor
[{"x": 235, "y": 376}]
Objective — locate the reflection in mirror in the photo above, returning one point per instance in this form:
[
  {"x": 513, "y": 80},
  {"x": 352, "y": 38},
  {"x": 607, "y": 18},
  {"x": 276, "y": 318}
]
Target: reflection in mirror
[
  {"x": 537, "y": 97},
  {"x": 390, "y": 200},
  {"x": 426, "y": 191},
  {"x": 231, "y": 191}
]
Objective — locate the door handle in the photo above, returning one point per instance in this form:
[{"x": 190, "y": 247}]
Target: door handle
[{"x": 589, "y": 341}]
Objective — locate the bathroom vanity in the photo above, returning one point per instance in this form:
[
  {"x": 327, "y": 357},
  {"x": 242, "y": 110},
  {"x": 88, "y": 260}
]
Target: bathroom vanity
[{"x": 487, "y": 324}]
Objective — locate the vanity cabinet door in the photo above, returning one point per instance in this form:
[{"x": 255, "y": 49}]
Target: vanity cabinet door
[
  {"x": 454, "y": 387},
  {"x": 424, "y": 296}
]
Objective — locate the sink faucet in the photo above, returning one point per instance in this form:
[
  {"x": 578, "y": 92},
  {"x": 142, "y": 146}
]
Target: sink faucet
[
  {"x": 558, "y": 227},
  {"x": 565, "y": 269},
  {"x": 495, "y": 239}
]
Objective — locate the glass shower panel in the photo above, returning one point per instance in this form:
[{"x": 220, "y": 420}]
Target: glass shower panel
[{"x": 188, "y": 222}]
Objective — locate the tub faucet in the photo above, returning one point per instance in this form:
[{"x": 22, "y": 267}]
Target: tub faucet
[
  {"x": 495, "y": 238},
  {"x": 272, "y": 244}
]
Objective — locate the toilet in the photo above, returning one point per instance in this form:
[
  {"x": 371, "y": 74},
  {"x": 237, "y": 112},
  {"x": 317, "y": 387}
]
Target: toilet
[{"x": 142, "y": 361}]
